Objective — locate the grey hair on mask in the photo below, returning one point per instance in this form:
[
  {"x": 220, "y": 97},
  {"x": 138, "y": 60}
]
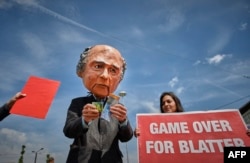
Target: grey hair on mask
[{"x": 83, "y": 60}]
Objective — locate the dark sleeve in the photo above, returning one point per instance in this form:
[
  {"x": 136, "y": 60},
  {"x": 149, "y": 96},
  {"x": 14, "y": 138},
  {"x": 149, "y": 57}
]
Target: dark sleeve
[
  {"x": 4, "y": 112},
  {"x": 125, "y": 132},
  {"x": 73, "y": 127}
]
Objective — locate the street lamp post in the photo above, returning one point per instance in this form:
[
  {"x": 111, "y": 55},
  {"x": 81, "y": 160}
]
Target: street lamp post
[
  {"x": 36, "y": 152},
  {"x": 122, "y": 94}
]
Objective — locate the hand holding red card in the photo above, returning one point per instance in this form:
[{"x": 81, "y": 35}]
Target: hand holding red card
[{"x": 40, "y": 94}]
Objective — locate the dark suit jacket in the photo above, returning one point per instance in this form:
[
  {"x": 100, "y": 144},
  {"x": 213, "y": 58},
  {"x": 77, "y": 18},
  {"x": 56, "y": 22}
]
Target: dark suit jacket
[
  {"x": 4, "y": 112},
  {"x": 97, "y": 142}
]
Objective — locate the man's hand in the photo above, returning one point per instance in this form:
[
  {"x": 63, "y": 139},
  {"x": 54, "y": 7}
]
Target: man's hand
[
  {"x": 119, "y": 111},
  {"x": 90, "y": 113}
]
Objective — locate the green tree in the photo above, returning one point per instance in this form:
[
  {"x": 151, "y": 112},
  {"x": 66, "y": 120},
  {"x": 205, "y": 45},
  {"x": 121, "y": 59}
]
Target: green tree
[
  {"x": 47, "y": 158},
  {"x": 22, "y": 153}
]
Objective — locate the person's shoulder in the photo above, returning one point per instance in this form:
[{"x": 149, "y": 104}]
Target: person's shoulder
[
  {"x": 79, "y": 98},
  {"x": 83, "y": 98}
]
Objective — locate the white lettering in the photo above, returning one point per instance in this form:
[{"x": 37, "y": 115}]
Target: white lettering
[
  {"x": 159, "y": 147},
  {"x": 197, "y": 127},
  {"x": 149, "y": 145},
  {"x": 228, "y": 142},
  {"x": 168, "y": 128},
  {"x": 207, "y": 146},
  {"x": 243, "y": 154},
  {"x": 152, "y": 128},
  {"x": 183, "y": 145},
  {"x": 213, "y": 143},
  {"x": 238, "y": 142},
  {"x": 231, "y": 154},
  {"x": 211, "y": 126},
  {"x": 235, "y": 154},
  {"x": 225, "y": 125}
]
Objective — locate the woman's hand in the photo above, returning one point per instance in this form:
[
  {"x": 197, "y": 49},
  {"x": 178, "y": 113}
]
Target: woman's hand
[
  {"x": 17, "y": 96},
  {"x": 137, "y": 132}
]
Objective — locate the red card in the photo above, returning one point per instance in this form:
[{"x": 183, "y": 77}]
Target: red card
[{"x": 40, "y": 93}]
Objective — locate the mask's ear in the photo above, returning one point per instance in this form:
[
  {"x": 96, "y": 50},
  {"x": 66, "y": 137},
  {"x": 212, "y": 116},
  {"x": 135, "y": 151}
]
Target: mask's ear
[
  {"x": 79, "y": 74},
  {"x": 120, "y": 80},
  {"x": 80, "y": 64}
]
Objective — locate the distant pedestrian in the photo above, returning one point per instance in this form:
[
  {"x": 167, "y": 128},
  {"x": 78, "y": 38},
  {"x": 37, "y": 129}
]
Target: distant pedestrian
[{"x": 51, "y": 160}]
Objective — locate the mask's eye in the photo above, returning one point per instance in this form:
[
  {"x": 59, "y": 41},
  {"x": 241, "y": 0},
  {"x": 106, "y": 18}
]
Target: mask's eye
[
  {"x": 113, "y": 71},
  {"x": 98, "y": 66}
]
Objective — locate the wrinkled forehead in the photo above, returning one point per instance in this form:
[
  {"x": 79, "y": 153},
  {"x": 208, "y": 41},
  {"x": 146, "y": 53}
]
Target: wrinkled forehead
[{"x": 105, "y": 54}]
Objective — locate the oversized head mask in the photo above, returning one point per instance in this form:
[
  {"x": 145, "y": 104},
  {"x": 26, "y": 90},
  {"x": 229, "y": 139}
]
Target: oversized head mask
[{"x": 101, "y": 69}]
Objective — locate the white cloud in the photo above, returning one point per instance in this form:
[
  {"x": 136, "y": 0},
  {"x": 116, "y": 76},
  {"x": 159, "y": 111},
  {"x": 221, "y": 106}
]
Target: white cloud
[
  {"x": 216, "y": 59},
  {"x": 5, "y": 5},
  {"x": 9, "y": 3},
  {"x": 220, "y": 41},
  {"x": 72, "y": 37},
  {"x": 222, "y": 88},
  {"x": 150, "y": 107},
  {"x": 197, "y": 62},
  {"x": 173, "y": 81},
  {"x": 172, "y": 21},
  {"x": 179, "y": 90},
  {"x": 35, "y": 46},
  {"x": 243, "y": 26},
  {"x": 11, "y": 142},
  {"x": 13, "y": 136},
  {"x": 137, "y": 32},
  {"x": 65, "y": 19},
  {"x": 35, "y": 4},
  {"x": 25, "y": 2}
]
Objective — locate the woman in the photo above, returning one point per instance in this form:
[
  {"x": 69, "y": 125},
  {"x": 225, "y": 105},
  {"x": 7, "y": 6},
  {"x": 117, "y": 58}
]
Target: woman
[{"x": 169, "y": 103}]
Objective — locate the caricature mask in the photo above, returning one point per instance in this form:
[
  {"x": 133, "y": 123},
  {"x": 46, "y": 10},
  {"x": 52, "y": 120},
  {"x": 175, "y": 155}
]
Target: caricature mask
[{"x": 102, "y": 71}]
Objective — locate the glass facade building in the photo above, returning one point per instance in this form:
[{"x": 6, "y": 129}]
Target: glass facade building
[{"x": 245, "y": 112}]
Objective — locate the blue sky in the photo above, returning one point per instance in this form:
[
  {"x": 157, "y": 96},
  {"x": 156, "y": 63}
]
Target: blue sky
[{"x": 198, "y": 49}]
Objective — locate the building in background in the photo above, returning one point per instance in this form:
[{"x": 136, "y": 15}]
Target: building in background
[{"x": 245, "y": 112}]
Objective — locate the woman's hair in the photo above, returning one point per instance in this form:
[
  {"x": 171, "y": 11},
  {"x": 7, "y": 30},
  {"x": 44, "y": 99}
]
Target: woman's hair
[{"x": 179, "y": 107}]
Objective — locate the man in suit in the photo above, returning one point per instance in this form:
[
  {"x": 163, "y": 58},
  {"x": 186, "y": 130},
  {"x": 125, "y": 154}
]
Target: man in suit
[{"x": 96, "y": 139}]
